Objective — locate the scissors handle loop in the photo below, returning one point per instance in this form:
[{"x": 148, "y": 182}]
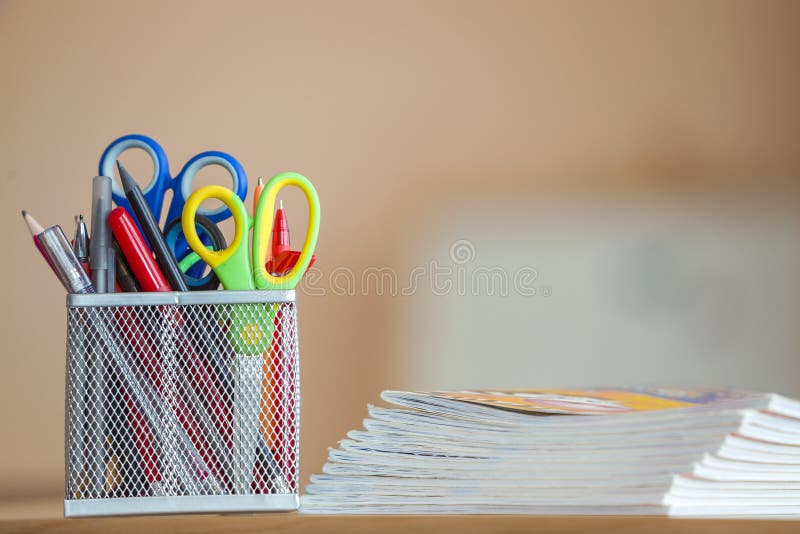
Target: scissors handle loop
[
  {"x": 231, "y": 263},
  {"x": 182, "y": 183},
  {"x": 159, "y": 183},
  {"x": 263, "y": 229}
]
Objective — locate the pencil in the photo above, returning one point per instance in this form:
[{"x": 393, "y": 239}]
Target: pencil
[{"x": 36, "y": 229}]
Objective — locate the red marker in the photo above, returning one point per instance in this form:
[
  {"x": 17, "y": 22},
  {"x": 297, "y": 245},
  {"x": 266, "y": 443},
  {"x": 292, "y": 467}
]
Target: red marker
[
  {"x": 150, "y": 278},
  {"x": 136, "y": 252}
]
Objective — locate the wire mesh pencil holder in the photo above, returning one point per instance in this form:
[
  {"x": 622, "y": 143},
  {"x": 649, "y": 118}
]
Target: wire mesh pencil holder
[{"x": 182, "y": 402}]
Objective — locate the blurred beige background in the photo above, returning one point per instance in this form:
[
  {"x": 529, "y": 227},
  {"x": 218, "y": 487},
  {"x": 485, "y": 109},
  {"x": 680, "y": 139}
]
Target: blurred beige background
[{"x": 417, "y": 121}]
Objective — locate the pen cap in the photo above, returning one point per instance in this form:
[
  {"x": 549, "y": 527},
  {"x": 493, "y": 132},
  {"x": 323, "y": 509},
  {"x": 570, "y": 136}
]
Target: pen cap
[
  {"x": 101, "y": 207},
  {"x": 65, "y": 262}
]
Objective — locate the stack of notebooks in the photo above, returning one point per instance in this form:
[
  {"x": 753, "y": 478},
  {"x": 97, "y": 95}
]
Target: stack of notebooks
[{"x": 712, "y": 453}]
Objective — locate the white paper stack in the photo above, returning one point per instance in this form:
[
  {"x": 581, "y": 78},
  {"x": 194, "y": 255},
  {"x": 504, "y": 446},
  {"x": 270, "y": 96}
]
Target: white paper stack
[{"x": 600, "y": 451}]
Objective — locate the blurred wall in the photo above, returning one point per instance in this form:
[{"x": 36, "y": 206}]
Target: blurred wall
[{"x": 399, "y": 112}]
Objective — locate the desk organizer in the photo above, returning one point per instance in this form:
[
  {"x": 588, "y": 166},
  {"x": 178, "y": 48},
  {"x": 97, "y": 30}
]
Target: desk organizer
[{"x": 182, "y": 402}]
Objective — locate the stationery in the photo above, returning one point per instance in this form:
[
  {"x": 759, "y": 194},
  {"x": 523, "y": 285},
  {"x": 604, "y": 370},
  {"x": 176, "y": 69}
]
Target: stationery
[
  {"x": 66, "y": 264},
  {"x": 212, "y": 237},
  {"x": 191, "y": 411},
  {"x": 80, "y": 242},
  {"x": 35, "y": 229},
  {"x": 164, "y": 395},
  {"x": 250, "y": 333},
  {"x": 101, "y": 253},
  {"x": 147, "y": 222},
  {"x": 596, "y": 451},
  {"x": 162, "y": 181},
  {"x": 135, "y": 251},
  {"x": 125, "y": 277}
]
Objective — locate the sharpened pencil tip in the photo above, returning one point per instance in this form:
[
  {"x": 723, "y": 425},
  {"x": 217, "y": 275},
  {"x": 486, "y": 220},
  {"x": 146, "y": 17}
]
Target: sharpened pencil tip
[
  {"x": 33, "y": 224},
  {"x": 260, "y": 181},
  {"x": 125, "y": 177}
]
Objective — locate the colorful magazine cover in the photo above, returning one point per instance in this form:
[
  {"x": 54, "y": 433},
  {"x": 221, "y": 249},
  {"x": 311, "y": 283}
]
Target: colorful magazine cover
[{"x": 594, "y": 401}]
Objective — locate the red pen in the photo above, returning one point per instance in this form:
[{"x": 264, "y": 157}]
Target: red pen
[
  {"x": 283, "y": 263},
  {"x": 283, "y": 258},
  {"x": 280, "y": 232},
  {"x": 277, "y": 363}
]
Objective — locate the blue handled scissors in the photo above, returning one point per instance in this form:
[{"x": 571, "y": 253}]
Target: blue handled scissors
[{"x": 181, "y": 184}]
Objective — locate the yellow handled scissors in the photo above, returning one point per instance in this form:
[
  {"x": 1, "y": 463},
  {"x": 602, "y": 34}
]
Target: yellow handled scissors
[
  {"x": 250, "y": 328},
  {"x": 236, "y": 267}
]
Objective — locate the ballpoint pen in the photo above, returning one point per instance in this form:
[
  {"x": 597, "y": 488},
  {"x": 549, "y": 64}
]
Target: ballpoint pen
[
  {"x": 65, "y": 264},
  {"x": 80, "y": 243}
]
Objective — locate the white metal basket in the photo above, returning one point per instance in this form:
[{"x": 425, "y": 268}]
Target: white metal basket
[{"x": 182, "y": 402}]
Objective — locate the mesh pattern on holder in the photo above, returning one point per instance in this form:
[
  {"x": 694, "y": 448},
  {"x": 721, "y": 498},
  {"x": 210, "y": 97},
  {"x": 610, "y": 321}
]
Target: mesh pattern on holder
[{"x": 169, "y": 400}]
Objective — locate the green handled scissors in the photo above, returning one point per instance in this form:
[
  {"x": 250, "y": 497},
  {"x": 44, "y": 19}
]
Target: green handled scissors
[
  {"x": 235, "y": 266},
  {"x": 251, "y": 328}
]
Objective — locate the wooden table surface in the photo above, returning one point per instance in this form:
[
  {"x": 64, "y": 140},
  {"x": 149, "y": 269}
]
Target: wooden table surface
[
  {"x": 296, "y": 523},
  {"x": 45, "y": 515}
]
